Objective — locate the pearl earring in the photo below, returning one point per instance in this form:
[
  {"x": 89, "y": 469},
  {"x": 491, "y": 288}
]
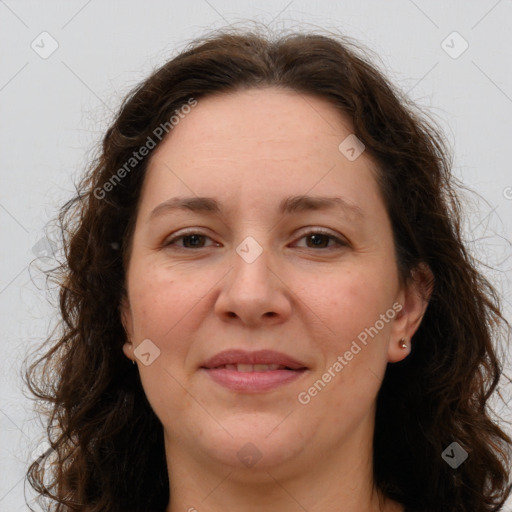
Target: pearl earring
[{"x": 402, "y": 343}]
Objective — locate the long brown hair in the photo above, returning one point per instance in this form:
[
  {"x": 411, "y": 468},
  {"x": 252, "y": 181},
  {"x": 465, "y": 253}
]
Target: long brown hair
[{"x": 108, "y": 451}]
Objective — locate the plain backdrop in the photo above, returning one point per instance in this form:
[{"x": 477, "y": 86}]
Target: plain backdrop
[{"x": 65, "y": 67}]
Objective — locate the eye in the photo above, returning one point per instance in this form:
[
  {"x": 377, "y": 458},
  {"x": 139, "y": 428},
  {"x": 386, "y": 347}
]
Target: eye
[
  {"x": 319, "y": 238},
  {"x": 191, "y": 240}
]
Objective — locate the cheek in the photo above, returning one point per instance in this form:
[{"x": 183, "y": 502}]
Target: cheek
[
  {"x": 349, "y": 301},
  {"x": 159, "y": 298},
  {"x": 161, "y": 304},
  {"x": 349, "y": 304}
]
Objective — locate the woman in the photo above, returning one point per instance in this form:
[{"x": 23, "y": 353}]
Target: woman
[{"x": 271, "y": 235}]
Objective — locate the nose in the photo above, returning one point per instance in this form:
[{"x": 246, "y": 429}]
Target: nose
[{"x": 253, "y": 293}]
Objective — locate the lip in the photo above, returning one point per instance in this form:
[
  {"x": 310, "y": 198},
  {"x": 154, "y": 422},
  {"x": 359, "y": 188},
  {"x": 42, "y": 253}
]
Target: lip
[
  {"x": 253, "y": 382},
  {"x": 256, "y": 381},
  {"x": 256, "y": 357}
]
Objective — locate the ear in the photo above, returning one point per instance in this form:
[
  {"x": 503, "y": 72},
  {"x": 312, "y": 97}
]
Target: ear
[
  {"x": 414, "y": 298},
  {"x": 127, "y": 321}
]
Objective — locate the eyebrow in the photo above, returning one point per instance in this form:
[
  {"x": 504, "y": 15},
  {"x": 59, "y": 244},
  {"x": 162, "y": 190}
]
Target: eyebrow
[{"x": 289, "y": 205}]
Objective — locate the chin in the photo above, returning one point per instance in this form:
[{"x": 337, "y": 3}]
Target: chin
[{"x": 252, "y": 450}]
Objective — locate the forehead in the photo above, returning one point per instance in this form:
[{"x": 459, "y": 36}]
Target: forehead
[
  {"x": 273, "y": 121},
  {"x": 255, "y": 144}
]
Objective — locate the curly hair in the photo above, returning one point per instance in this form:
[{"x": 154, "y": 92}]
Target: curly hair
[{"x": 107, "y": 443}]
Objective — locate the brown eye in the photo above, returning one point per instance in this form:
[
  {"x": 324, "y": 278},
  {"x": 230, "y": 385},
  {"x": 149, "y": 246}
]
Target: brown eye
[
  {"x": 320, "y": 240},
  {"x": 191, "y": 240},
  {"x": 195, "y": 240}
]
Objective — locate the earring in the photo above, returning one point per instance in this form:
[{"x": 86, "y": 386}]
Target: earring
[
  {"x": 130, "y": 342},
  {"x": 402, "y": 343}
]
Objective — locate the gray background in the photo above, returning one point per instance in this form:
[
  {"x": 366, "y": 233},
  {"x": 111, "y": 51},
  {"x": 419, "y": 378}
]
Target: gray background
[{"x": 55, "y": 107}]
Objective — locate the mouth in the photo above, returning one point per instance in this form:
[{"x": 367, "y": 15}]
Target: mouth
[
  {"x": 250, "y": 368},
  {"x": 260, "y": 360},
  {"x": 253, "y": 372}
]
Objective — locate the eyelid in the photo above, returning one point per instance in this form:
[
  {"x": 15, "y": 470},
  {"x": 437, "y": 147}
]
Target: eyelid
[
  {"x": 183, "y": 233},
  {"x": 310, "y": 230}
]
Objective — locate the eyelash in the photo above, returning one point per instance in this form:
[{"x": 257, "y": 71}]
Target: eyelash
[{"x": 317, "y": 231}]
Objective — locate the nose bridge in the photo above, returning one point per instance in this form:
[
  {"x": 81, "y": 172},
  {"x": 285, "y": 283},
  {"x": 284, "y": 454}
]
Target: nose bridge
[
  {"x": 252, "y": 291},
  {"x": 251, "y": 266}
]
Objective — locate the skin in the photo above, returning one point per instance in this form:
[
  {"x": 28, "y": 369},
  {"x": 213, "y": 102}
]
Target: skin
[{"x": 249, "y": 150}]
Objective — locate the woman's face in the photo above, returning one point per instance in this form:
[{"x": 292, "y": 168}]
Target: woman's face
[{"x": 253, "y": 276}]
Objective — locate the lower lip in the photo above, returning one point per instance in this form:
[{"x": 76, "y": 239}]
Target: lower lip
[{"x": 253, "y": 382}]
